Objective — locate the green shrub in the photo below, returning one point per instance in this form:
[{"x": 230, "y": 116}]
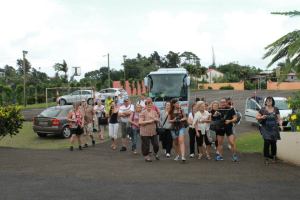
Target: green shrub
[
  {"x": 227, "y": 87},
  {"x": 11, "y": 120},
  {"x": 294, "y": 104}
]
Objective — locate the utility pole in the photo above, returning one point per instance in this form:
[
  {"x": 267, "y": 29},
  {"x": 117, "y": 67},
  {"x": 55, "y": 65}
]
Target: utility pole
[
  {"x": 124, "y": 58},
  {"x": 108, "y": 74},
  {"x": 24, "y": 83}
]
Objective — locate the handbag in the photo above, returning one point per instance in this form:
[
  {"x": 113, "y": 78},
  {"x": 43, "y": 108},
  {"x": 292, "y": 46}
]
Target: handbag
[
  {"x": 161, "y": 130},
  {"x": 102, "y": 120}
]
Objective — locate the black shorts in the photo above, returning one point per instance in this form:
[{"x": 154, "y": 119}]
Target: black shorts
[
  {"x": 226, "y": 130},
  {"x": 77, "y": 131}
]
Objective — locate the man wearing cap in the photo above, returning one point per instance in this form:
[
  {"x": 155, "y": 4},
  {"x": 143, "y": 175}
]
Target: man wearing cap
[{"x": 125, "y": 111}]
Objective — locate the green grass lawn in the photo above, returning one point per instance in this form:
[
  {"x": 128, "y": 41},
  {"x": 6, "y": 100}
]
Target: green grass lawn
[
  {"x": 250, "y": 142},
  {"x": 247, "y": 143},
  {"x": 29, "y": 140}
]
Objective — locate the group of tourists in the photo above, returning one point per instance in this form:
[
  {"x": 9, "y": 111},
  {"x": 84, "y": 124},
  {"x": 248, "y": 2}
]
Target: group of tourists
[{"x": 207, "y": 124}]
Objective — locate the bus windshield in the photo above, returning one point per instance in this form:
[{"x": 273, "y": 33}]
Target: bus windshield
[{"x": 164, "y": 87}]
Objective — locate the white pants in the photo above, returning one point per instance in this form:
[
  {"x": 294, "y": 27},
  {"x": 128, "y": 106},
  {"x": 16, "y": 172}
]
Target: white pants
[{"x": 113, "y": 130}]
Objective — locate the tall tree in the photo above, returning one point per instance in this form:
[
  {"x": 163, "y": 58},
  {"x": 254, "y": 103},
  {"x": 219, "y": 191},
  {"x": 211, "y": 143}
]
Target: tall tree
[
  {"x": 171, "y": 60},
  {"x": 21, "y": 68}
]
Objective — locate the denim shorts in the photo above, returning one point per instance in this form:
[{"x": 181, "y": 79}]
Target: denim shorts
[{"x": 176, "y": 134}]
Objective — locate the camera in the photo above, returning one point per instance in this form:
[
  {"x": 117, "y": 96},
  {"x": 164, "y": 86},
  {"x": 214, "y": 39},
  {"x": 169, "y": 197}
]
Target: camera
[{"x": 177, "y": 120}]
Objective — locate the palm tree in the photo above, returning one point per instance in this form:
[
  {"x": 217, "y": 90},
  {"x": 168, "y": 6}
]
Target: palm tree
[
  {"x": 141, "y": 85},
  {"x": 123, "y": 83},
  {"x": 288, "y": 47},
  {"x": 136, "y": 86},
  {"x": 62, "y": 67},
  {"x": 130, "y": 80}
]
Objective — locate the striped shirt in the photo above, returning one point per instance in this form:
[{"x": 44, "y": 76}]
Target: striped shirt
[{"x": 148, "y": 129}]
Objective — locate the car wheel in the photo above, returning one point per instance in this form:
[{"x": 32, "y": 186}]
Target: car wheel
[
  {"x": 90, "y": 101},
  {"x": 62, "y": 102},
  {"x": 41, "y": 134},
  {"x": 66, "y": 132}
]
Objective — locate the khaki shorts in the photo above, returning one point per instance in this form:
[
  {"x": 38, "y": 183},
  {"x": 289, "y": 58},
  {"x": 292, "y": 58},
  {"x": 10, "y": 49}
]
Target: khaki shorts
[{"x": 88, "y": 129}]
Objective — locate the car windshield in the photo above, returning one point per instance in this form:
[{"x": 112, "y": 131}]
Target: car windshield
[{"x": 281, "y": 104}]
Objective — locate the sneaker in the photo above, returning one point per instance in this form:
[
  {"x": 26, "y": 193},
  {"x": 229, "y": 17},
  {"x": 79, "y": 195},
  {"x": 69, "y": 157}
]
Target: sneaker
[
  {"x": 134, "y": 152},
  {"x": 93, "y": 143},
  {"x": 71, "y": 148},
  {"x": 168, "y": 155},
  {"x": 123, "y": 149},
  {"x": 156, "y": 157},
  {"x": 79, "y": 147},
  {"x": 274, "y": 160},
  {"x": 235, "y": 158},
  {"x": 176, "y": 158},
  {"x": 85, "y": 146},
  {"x": 200, "y": 156},
  {"x": 192, "y": 155},
  {"x": 183, "y": 159},
  {"x": 208, "y": 157},
  {"x": 219, "y": 158}
]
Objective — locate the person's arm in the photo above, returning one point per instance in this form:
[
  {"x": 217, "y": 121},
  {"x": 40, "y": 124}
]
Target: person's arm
[
  {"x": 190, "y": 120},
  {"x": 156, "y": 117},
  {"x": 195, "y": 125},
  {"x": 131, "y": 119},
  {"x": 69, "y": 117},
  {"x": 171, "y": 120},
  {"x": 184, "y": 116},
  {"x": 234, "y": 117},
  {"x": 142, "y": 120},
  {"x": 260, "y": 116}
]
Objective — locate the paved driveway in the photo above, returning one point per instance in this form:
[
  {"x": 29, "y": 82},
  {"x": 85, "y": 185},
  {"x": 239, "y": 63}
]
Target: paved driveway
[{"x": 101, "y": 173}]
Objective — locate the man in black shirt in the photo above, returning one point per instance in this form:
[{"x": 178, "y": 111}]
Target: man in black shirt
[{"x": 229, "y": 117}]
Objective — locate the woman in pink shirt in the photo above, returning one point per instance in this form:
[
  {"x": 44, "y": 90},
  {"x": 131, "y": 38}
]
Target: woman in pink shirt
[
  {"x": 135, "y": 127},
  {"x": 147, "y": 121}
]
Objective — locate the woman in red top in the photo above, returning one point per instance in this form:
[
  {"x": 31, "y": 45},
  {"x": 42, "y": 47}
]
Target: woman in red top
[{"x": 76, "y": 121}]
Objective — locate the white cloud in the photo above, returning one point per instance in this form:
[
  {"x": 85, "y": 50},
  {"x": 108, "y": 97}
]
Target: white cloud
[{"x": 81, "y": 32}]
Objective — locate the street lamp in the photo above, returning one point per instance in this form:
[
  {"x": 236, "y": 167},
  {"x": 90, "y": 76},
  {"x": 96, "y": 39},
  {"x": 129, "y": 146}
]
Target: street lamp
[
  {"x": 124, "y": 59},
  {"x": 108, "y": 73},
  {"x": 24, "y": 84}
]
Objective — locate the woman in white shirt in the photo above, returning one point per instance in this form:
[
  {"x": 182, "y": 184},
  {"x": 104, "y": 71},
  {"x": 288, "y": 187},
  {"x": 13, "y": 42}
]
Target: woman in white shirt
[
  {"x": 192, "y": 132},
  {"x": 201, "y": 122}
]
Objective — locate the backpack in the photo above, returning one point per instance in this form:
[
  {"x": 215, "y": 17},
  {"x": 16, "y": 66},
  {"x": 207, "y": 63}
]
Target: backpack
[{"x": 239, "y": 117}]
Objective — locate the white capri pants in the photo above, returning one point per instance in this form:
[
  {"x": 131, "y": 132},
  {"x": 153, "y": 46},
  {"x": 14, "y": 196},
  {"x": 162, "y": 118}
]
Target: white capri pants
[{"x": 113, "y": 130}]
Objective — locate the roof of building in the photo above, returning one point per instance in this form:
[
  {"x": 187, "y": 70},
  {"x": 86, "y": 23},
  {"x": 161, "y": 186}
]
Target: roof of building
[{"x": 210, "y": 70}]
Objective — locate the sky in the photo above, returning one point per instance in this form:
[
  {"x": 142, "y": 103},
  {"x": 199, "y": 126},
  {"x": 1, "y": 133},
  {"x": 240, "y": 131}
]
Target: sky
[{"x": 83, "y": 32}]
